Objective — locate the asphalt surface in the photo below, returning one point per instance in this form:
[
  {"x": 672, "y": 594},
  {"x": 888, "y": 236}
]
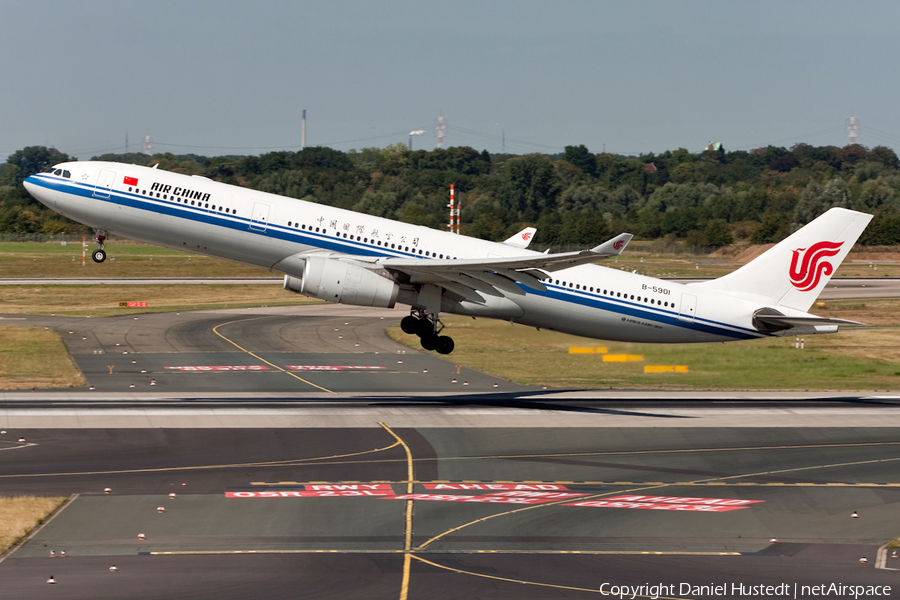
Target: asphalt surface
[
  {"x": 805, "y": 484},
  {"x": 243, "y": 464},
  {"x": 297, "y": 350}
]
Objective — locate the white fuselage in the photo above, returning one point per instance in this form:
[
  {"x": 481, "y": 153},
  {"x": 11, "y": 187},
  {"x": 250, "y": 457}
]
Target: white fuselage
[{"x": 198, "y": 215}]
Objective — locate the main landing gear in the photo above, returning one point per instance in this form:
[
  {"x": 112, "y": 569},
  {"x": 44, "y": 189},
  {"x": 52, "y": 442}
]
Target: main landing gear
[
  {"x": 99, "y": 255},
  {"x": 428, "y": 329}
]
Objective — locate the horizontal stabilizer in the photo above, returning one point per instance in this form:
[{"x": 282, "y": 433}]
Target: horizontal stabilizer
[{"x": 773, "y": 323}]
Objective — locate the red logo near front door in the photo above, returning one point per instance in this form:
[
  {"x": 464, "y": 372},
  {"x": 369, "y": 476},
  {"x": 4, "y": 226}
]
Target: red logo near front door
[{"x": 808, "y": 273}]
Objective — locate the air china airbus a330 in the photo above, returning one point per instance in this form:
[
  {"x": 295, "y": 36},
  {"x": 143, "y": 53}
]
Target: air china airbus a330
[{"x": 351, "y": 258}]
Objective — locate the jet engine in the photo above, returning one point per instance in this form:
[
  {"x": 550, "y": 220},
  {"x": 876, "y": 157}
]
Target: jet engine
[{"x": 343, "y": 282}]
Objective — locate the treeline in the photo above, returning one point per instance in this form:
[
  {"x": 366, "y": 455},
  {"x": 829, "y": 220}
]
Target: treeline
[{"x": 705, "y": 199}]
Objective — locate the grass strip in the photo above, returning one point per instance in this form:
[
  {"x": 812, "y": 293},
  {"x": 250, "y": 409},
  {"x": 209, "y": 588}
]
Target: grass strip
[
  {"x": 35, "y": 357},
  {"x": 21, "y": 514}
]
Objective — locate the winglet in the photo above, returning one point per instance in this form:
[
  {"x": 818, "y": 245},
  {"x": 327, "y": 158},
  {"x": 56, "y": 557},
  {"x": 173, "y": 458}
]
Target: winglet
[
  {"x": 614, "y": 246},
  {"x": 521, "y": 239}
]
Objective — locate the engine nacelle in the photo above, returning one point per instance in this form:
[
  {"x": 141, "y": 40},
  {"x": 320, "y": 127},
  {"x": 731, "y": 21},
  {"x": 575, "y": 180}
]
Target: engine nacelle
[{"x": 343, "y": 282}]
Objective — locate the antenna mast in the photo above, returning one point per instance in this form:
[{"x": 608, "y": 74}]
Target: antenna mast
[
  {"x": 303, "y": 131},
  {"x": 148, "y": 147},
  {"x": 852, "y": 129},
  {"x": 454, "y": 211},
  {"x": 440, "y": 128}
]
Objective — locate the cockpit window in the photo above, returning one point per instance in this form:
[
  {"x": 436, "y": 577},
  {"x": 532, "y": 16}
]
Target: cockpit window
[
  {"x": 67, "y": 174},
  {"x": 57, "y": 172},
  {"x": 49, "y": 170}
]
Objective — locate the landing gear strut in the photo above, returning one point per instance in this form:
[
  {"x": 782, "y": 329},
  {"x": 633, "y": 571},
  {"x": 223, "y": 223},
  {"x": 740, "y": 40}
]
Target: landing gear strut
[
  {"x": 99, "y": 255},
  {"x": 428, "y": 328}
]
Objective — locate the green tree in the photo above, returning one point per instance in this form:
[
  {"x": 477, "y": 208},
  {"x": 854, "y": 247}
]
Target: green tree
[
  {"x": 582, "y": 158},
  {"x": 717, "y": 233},
  {"x": 816, "y": 198},
  {"x": 884, "y": 156},
  {"x": 528, "y": 185}
]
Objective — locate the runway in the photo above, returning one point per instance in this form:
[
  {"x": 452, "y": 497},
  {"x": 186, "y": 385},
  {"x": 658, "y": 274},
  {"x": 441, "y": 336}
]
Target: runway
[
  {"x": 390, "y": 481},
  {"x": 347, "y": 537}
]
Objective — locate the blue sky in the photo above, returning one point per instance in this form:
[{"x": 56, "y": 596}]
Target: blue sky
[{"x": 231, "y": 77}]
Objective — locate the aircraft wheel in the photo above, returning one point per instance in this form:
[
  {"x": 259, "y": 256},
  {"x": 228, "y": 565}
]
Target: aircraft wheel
[
  {"x": 430, "y": 342},
  {"x": 424, "y": 328},
  {"x": 409, "y": 324},
  {"x": 445, "y": 344},
  {"x": 99, "y": 255}
]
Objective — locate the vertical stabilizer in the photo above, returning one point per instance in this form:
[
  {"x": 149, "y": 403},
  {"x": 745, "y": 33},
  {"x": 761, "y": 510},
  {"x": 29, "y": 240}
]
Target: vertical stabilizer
[{"x": 795, "y": 271}]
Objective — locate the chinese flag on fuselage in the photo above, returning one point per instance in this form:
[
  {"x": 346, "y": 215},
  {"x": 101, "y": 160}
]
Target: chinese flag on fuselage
[{"x": 130, "y": 180}]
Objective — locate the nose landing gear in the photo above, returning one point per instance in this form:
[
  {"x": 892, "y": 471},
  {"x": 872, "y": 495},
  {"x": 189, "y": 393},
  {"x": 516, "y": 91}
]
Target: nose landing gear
[
  {"x": 99, "y": 255},
  {"x": 428, "y": 329}
]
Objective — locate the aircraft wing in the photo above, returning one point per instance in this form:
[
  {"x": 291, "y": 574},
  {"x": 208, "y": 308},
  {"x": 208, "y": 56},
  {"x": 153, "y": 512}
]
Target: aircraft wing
[{"x": 492, "y": 276}]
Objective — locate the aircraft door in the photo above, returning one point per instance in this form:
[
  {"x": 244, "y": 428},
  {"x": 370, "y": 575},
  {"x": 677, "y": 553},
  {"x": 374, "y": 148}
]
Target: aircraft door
[
  {"x": 688, "y": 308},
  {"x": 259, "y": 220},
  {"x": 104, "y": 183}
]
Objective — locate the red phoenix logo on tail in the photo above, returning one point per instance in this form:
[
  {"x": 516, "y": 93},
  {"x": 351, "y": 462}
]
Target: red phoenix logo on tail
[
  {"x": 808, "y": 273},
  {"x": 526, "y": 236},
  {"x": 618, "y": 245}
]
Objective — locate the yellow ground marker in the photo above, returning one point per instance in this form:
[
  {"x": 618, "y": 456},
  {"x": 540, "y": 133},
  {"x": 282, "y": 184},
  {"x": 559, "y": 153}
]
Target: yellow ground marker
[
  {"x": 622, "y": 357},
  {"x": 665, "y": 369},
  {"x": 588, "y": 350}
]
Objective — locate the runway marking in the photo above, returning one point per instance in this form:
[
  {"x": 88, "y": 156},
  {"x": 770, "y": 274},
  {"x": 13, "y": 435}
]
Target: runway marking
[
  {"x": 331, "y": 367},
  {"x": 294, "y": 375},
  {"x": 561, "y": 484},
  {"x": 222, "y": 368},
  {"x": 639, "y": 489},
  {"x": 646, "y": 452},
  {"x": 293, "y": 462},
  {"x": 437, "y": 552},
  {"x": 310, "y": 494},
  {"x": 404, "y": 585},
  {"x": 17, "y": 445},
  {"x": 711, "y": 482},
  {"x": 537, "y": 583}
]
